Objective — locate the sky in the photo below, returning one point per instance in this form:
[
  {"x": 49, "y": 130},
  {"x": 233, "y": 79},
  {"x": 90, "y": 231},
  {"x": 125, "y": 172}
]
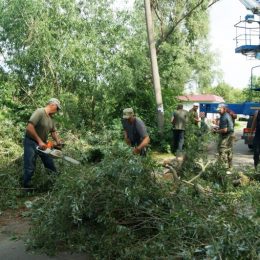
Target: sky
[{"x": 236, "y": 68}]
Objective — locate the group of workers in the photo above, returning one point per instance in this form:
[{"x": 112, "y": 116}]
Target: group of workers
[
  {"x": 41, "y": 124},
  {"x": 181, "y": 119},
  {"x": 224, "y": 126}
]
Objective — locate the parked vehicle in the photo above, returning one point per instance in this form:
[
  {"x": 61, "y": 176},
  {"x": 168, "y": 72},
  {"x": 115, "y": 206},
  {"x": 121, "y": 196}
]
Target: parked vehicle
[{"x": 247, "y": 131}]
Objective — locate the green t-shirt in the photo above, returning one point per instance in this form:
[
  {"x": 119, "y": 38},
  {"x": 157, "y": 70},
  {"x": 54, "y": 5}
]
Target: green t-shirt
[
  {"x": 180, "y": 118},
  {"x": 43, "y": 123}
]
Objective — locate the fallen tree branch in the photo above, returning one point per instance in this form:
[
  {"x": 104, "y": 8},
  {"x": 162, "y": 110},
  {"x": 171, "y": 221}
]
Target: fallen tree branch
[
  {"x": 203, "y": 168},
  {"x": 198, "y": 187}
]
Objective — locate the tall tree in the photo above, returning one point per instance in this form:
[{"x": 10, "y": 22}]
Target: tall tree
[
  {"x": 228, "y": 93},
  {"x": 95, "y": 57}
]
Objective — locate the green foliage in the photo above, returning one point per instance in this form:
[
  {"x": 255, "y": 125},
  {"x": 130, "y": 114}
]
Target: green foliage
[
  {"x": 196, "y": 142},
  {"x": 255, "y": 82},
  {"x": 250, "y": 93},
  {"x": 99, "y": 64},
  {"x": 10, "y": 165},
  {"x": 61, "y": 47},
  {"x": 229, "y": 93},
  {"x": 182, "y": 44},
  {"x": 216, "y": 175},
  {"x": 10, "y": 176},
  {"x": 120, "y": 203},
  {"x": 95, "y": 155},
  {"x": 95, "y": 59},
  {"x": 162, "y": 144}
]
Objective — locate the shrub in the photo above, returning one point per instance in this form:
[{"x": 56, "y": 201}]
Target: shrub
[{"x": 118, "y": 210}]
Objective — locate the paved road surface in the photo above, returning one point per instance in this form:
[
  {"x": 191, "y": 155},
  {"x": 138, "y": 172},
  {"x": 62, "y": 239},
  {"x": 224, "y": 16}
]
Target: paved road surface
[
  {"x": 243, "y": 156},
  {"x": 15, "y": 250},
  {"x": 12, "y": 247}
]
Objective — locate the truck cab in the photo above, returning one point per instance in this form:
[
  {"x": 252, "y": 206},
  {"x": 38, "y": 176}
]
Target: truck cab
[{"x": 246, "y": 132}]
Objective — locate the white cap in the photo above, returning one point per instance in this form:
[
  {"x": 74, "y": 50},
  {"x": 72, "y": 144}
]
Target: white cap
[
  {"x": 55, "y": 101},
  {"x": 220, "y": 106},
  {"x": 128, "y": 112},
  {"x": 196, "y": 104}
]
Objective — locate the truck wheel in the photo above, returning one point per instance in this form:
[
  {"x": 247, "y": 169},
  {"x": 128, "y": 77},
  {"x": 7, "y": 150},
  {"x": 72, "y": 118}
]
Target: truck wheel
[{"x": 250, "y": 146}]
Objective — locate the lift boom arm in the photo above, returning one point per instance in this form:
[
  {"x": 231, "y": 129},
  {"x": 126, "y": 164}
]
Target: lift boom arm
[{"x": 252, "y": 5}]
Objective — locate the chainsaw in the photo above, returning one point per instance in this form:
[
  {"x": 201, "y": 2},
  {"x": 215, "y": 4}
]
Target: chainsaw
[{"x": 54, "y": 151}]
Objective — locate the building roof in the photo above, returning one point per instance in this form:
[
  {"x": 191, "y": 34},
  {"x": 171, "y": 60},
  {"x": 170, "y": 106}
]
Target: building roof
[{"x": 202, "y": 98}]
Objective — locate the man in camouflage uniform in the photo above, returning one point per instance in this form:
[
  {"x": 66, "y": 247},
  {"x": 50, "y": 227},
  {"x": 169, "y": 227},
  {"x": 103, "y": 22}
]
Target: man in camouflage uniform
[
  {"x": 225, "y": 130},
  {"x": 194, "y": 115},
  {"x": 193, "y": 129}
]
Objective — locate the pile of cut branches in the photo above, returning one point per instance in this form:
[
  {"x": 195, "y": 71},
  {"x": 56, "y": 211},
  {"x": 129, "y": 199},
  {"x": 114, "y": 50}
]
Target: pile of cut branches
[{"x": 118, "y": 209}]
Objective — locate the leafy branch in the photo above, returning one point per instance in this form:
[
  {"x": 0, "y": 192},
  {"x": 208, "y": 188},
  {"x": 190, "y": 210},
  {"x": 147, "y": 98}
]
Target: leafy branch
[{"x": 168, "y": 33}]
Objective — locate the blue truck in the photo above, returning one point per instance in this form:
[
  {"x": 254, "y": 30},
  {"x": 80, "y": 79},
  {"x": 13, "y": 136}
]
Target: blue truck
[{"x": 246, "y": 108}]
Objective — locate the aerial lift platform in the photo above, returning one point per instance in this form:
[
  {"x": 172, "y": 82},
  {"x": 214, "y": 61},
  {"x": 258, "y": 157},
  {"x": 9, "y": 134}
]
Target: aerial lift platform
[{"x": 248, "y": 31}]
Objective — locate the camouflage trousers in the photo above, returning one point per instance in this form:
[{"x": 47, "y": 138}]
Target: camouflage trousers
[{"x": 225, "y": 149}]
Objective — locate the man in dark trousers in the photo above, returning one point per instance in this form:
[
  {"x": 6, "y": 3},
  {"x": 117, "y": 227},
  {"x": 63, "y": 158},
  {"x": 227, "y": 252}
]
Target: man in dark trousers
[
  {"x": 256, "y": 142},
  {"x": 36, "y": 134},
  {"x": 179, "y": 121},
  {"x": 135, "y": 132},
  {"x": 225, "y": 131}
]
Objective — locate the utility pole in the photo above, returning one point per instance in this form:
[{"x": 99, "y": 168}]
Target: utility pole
[{"x": 154, "y": 65}]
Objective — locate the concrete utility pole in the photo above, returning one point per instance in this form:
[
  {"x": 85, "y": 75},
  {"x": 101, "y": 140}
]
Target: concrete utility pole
[{"x": 154, "y": 65}]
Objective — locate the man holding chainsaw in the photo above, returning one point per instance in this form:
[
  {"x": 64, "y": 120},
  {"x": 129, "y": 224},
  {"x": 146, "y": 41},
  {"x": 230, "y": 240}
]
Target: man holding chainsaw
[
  {"x": 135, "y": 132},
  {"x": 40, "y": 125}
]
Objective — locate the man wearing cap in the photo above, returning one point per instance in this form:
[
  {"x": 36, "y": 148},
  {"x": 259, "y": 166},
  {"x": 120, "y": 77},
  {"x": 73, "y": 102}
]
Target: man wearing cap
[
  {"x": 194, "y": 115},
  {"x": 135, "y": 132},
  {"x": 38, "y": 128},
  {"x": 179, "y": 121},
  {"x": 225, "y": 131}
]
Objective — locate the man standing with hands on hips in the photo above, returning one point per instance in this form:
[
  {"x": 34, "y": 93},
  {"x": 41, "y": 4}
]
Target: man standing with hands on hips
[
  {"x": 38, "y": 128},
  {"x": 135, "y": 132}
]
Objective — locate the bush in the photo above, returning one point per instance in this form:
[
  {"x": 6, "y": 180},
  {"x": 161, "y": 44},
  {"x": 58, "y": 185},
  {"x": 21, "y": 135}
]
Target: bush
[
  {"x": 117, "y": 209},
  {"x": 10, "y": 164}
]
